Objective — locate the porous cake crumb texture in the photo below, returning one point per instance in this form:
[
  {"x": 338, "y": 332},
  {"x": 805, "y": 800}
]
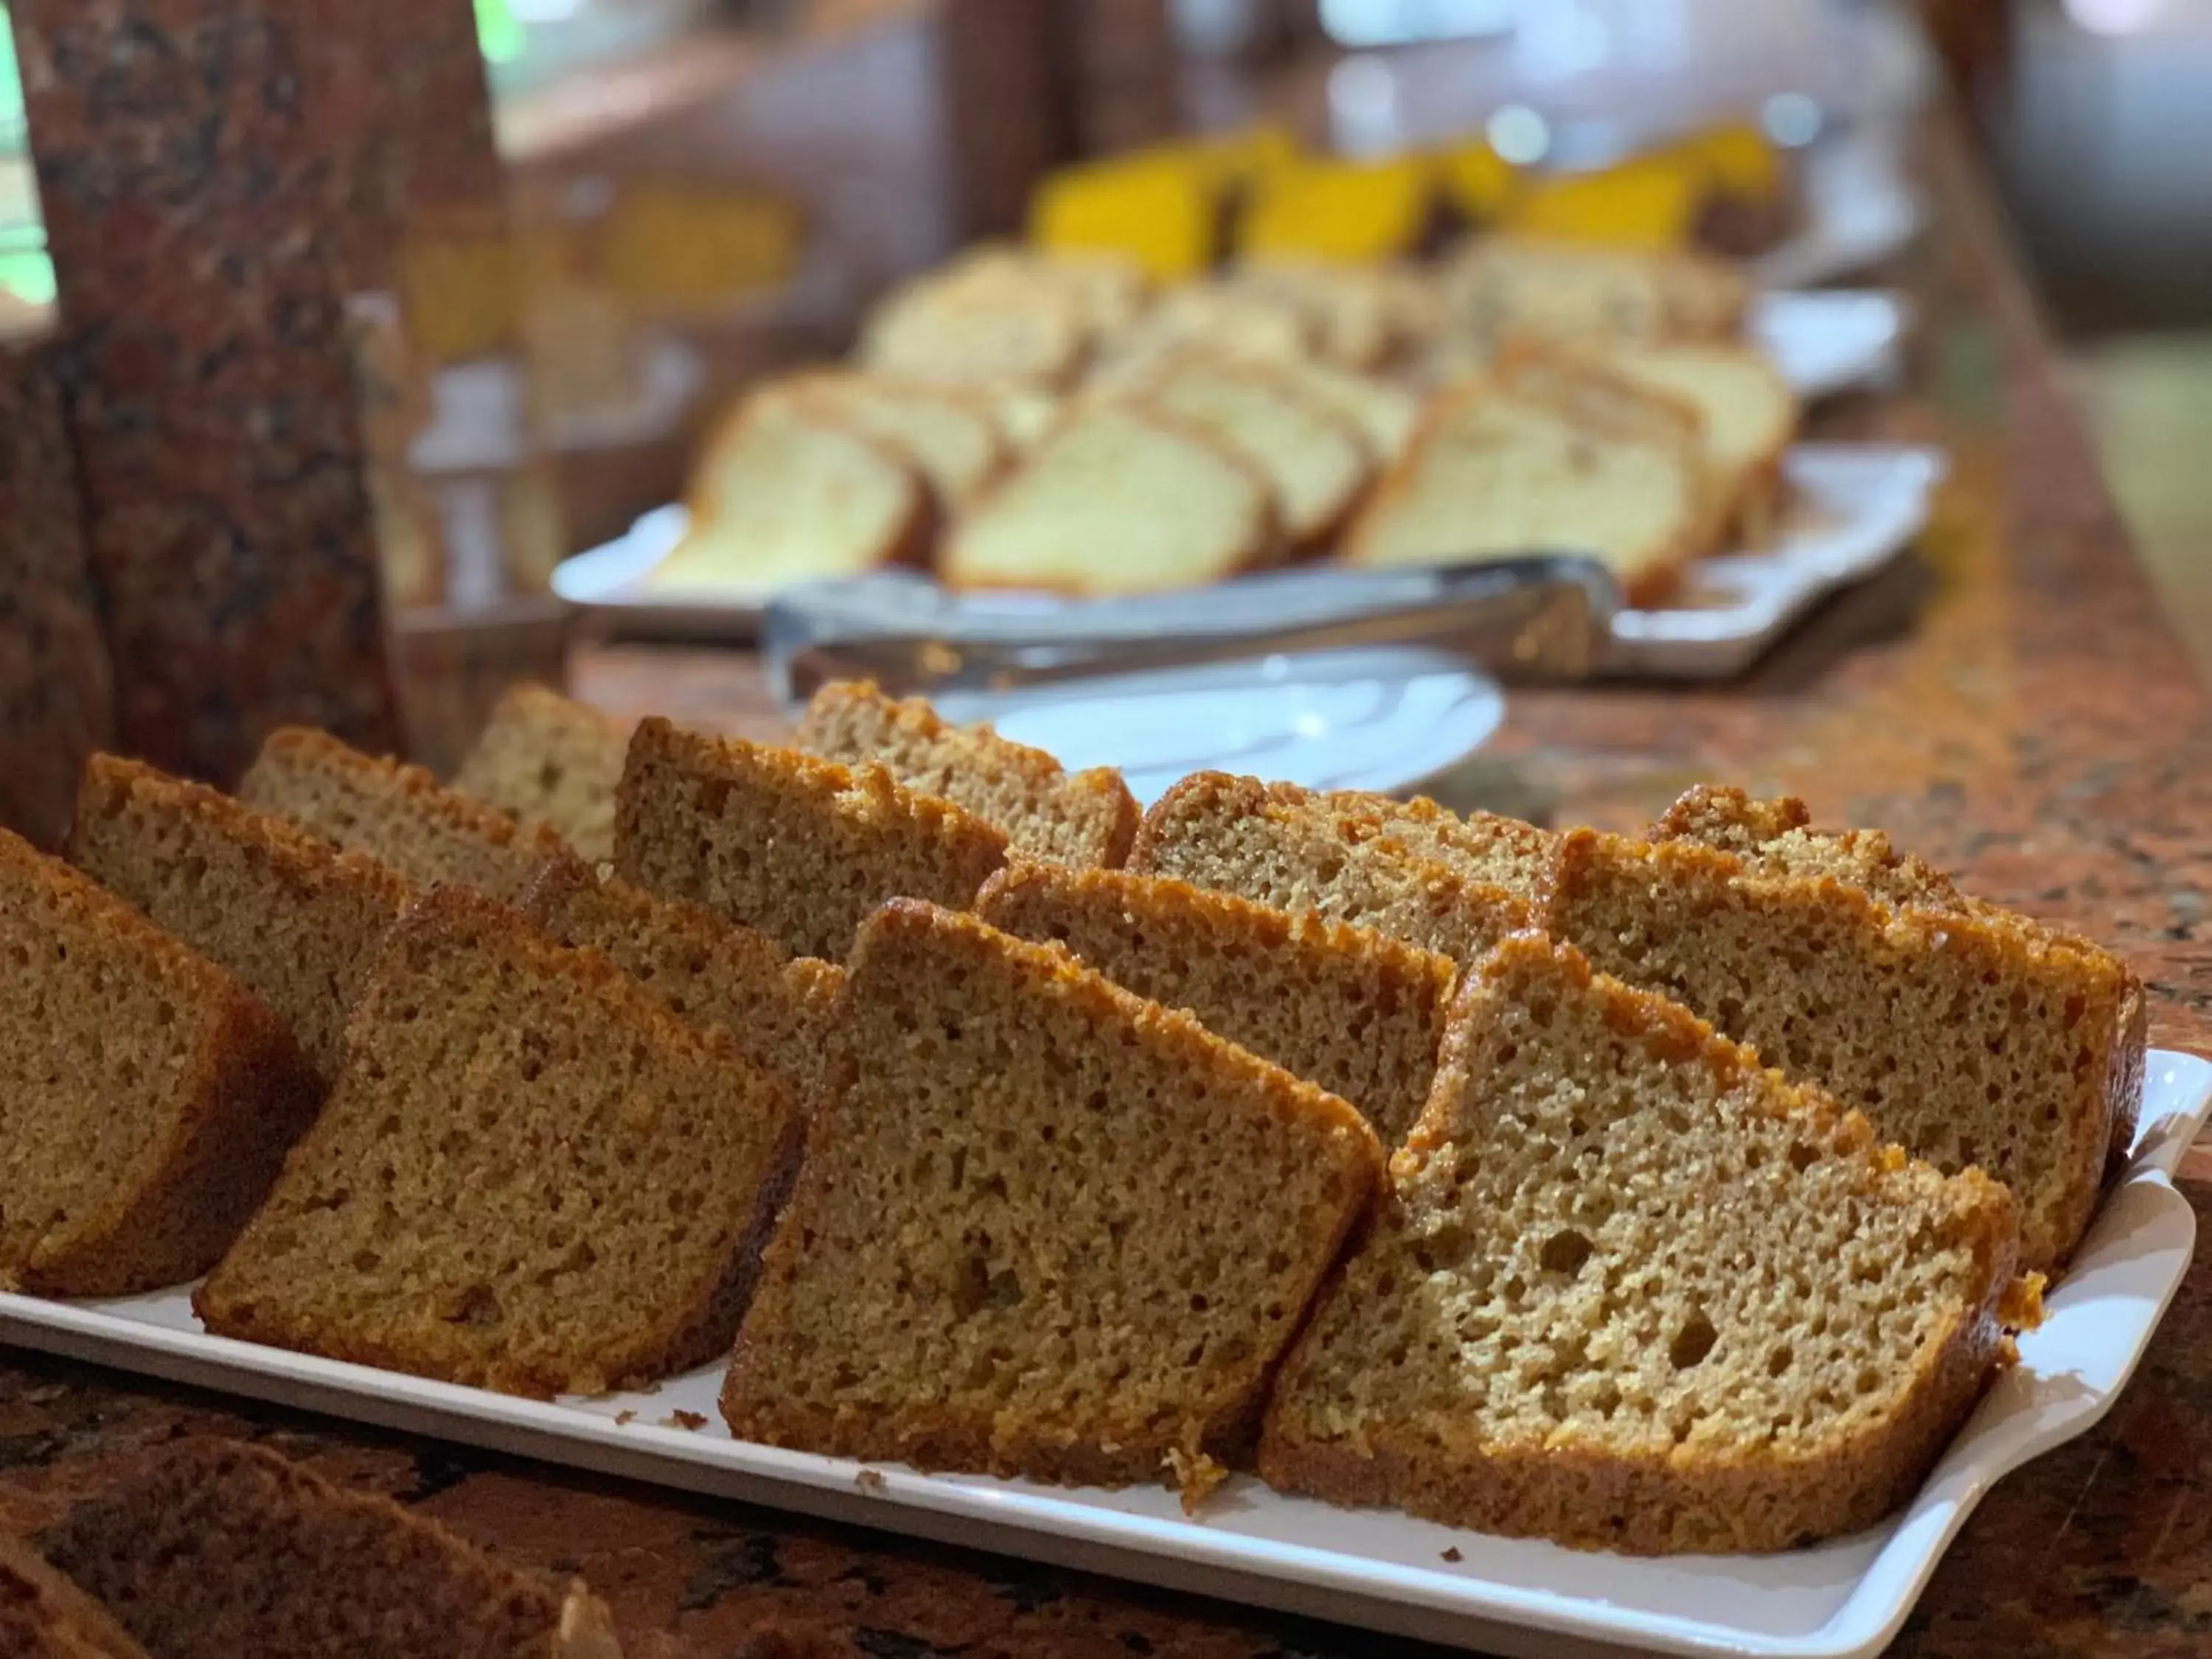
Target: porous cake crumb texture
[
  {"x": 795, "y": 847},
  {"x": 531, "y": 1176},
  {"x": 296, "y": 921},
  {"x": 711, "y": 972},
  {"x": 1967, "y": 1042},
  {"x": 1046, "y": 1227},
  {"x": 1630, "y": 1290},
  {"x": 544, "y": 758},
  {"x": 1355, "y": 858},
  {"x": 1077, "y": 818},
  {"x": 1352, "y": 1010},
  {"x": 150, "y": 1096},
  {"x": 397, "y": 813}
]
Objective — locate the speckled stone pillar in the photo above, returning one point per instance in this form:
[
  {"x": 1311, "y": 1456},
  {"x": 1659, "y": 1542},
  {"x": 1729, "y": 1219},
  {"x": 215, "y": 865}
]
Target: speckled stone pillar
[
  {"x": 186, "y": 184},
  {"x": 54, "y": 704}
]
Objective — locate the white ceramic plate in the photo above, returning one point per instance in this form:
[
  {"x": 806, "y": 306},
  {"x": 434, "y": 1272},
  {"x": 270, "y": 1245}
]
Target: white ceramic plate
[
  {"x": 1843, "y": 1600},
  {"x": 1829, "y": 340},
  {"x": 1853, "y": 508}
]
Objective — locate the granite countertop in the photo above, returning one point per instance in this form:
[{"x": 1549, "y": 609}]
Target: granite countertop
[{"x": 2007, "y": 701}]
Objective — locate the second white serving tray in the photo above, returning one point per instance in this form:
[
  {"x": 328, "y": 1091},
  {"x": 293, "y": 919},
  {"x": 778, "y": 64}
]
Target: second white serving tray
[
  {"x": 1374, "y": 1568},
  {"x": 1850, "y": 508}
]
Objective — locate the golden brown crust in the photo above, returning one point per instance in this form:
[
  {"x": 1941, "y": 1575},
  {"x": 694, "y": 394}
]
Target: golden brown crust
[
  {"x": 1351, "y": 1010},
  {"x": 243, "y": 1094},
  {"x": 1679, "y": 1498},
  {"x": 438, "y": 834},
  {"x": 747, "y": 831},
  {"x": 1896, "y": 949},
  {"x": 1449, "y": 880},
  {"x": 1087, "y": 818},
  {"x": 260, "y": 1293},
  {"x": 44, "y": 1616},
  {"x": 1778, "y": 833},
  {"x": 137, "y": 831},
  {"x": 1099, "y": 1442}
]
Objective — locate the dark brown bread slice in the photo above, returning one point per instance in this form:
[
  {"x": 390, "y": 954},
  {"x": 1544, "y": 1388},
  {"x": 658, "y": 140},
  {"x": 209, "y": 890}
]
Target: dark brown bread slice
[
  {"x": 1776, "y": 835},
  {"x": 548, "y": 759},
  {"x": 222, "y": 1550},
  {"x": 1632, "y": 1291},
  {"x": 297, "y": 920},
  {"x": 1045, "y": 1227},
  {"x": 1967, "y": 1042},
  {"x": 1355, "y": 1011},
  {"x": 1080, "y": 819},
  {"x": 43, "y": 1615},
  {"x": 150, "y": 1096},
  {"x": 531, "y": 1176},
  {"x": 395, "y": 813},
  {"x": 711, "y": 972},
  {"x": 798, "y": 849},
  {"x": 1361, "y": 858}
]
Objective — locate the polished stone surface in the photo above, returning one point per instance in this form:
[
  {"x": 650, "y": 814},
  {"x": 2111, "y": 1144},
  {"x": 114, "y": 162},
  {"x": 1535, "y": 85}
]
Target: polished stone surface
[{"x": 2007, "y": 701}]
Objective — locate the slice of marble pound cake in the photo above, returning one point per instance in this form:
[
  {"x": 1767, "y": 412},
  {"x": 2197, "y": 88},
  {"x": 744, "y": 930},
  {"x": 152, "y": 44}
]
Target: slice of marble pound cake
[
  {"x": 1356, "y": 1011},
  {"x": 220, "y": 1550},
  {"x": 1631, "y": 1290},
  {"x": 1045, "y": 1228},
  {"x": 531, "y": 1176},
  {"x": 1966, "y": 1040},
  {"x": 146, "y": 1096}
]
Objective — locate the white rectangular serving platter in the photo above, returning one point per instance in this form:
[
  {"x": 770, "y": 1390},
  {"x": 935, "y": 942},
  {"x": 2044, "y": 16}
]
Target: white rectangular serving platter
[{"x": 1372, "y": 1568}]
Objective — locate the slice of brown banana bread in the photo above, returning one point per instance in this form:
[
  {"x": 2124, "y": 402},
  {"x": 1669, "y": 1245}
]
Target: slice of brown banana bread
[
  {"x": 711, "y": 972},
  {"x": 531, "y": 1176},
  {"x": 1045, "y": 1227},
  {"x": 1967, "y": 1041},
  {"x": 1078, "y": 818},
  {"x": 1361, "y": 858},
  {"x": 1354, "y": 1011},
  {"x": 398, "y": 813},
  {"x": 544, "y": 758},
  {"x": 151, "y": 1097},
  {"x": 798, "y": 849},
  {"x": 295, "y": 919},
  {"x": 1776, "y": 835},
  {"x": 216, "y": 1549},
  {"x": 1632, "y": 1291}
]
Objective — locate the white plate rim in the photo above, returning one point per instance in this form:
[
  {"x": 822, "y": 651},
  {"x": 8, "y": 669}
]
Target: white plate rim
[{"x": 1084, "y": 1531}]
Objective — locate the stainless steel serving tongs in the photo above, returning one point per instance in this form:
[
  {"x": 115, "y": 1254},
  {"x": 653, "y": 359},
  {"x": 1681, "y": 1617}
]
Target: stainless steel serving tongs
[{"x": 1545, "y": 616}]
